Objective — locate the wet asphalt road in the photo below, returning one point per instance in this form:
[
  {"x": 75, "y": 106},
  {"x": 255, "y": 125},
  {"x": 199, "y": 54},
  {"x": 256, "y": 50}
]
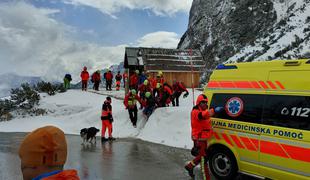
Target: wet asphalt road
[{"x": 128, "y": 159}]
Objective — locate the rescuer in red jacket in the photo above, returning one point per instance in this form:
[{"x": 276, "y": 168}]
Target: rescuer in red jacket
[
  {"x": 201, "y": 131},
  {"x": 96, "y": 79},
  {"x": 109, "y": 78},
  {"x": 130, "y": 103},
  {"x": 84, "y": 77},
  {"x": 133, "y": 81},
  {"x": 107, "y": 119}
]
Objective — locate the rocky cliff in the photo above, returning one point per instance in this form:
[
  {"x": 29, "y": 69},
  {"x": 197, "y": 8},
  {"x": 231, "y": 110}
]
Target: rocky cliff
[{"x": 229, "y": 31}]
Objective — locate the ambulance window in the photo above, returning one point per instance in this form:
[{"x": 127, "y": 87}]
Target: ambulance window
[
  {"x": 239, "y": 107},
  {"x": 287, "y": 111}
]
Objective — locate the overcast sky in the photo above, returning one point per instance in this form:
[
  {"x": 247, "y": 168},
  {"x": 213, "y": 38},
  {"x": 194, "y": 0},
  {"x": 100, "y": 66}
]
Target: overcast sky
[{"x": 49, "y": 38}]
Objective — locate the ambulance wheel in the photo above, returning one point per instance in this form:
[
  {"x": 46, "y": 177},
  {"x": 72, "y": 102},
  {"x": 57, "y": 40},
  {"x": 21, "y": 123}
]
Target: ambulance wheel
[{"x": 223, "y": 164}]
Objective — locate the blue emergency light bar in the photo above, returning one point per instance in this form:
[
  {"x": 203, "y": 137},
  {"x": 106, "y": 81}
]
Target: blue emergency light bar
[{"x": 223, "y": 66}]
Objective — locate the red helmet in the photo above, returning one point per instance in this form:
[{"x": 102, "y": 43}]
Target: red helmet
[
  {"x": 85, "y": 68},
  {"x": 201, "y": 98}
]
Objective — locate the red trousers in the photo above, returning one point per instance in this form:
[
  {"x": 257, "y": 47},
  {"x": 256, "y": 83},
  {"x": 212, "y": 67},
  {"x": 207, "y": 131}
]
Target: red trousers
[
  {"x": 201, "y": 158},
  {"x": 118, "y": 85},
  {"x": 106, "y": 124}
]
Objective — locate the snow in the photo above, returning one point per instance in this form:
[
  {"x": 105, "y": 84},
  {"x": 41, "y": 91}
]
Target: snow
[
  {"x": 295, "y": 27},
  {"x": 75, "y": 109}
]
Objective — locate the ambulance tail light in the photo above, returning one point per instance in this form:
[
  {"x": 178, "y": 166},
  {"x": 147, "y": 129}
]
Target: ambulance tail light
[
  {"x": 292, "y": 63},
  {"x": 223, "y": 66}
]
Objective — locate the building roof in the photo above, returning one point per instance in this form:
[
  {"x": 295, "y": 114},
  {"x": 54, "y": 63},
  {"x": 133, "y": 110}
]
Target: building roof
[{"x": 155, "y": 59}]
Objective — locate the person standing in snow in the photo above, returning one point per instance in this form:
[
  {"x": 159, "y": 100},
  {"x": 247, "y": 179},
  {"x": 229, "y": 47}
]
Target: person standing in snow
[
  {"x": 107, "y": 120},
  {"x": 118, "y": 79},
  {"x": 84, "y": 76},
  {"x": 67, "y": 80},
  {"x": 201, "y": 131},
  {"x": 109, "y": 78},
  {"x": 96, "y": 79},
  {"x": 43, "y": 154},
  {"x": 178, "y": 88},
  {"x": 130, "y": 103}
]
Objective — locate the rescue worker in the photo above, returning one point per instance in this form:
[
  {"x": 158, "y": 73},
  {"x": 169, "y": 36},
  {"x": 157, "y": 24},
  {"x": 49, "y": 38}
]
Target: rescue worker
[
  {"x": 160, "y": 78},
  {"x": 152, "y": 81},
  {"x": 143, "y": 88},
  {"x": 109, "y": 78},
  {"x": 133, "y": 84},
  {"x": 201, "y": 131},
  {"x": 84, "y": 76},
  {"x": 163, "y": 94},
  {"x": 130, "y": 103},
  {"x": 178, "y": 88},
  {"x": 142, "y": 77},
  {"x": 67, "y": 80},
  {"x": 118, "y": 79},
  {"x": 43, "y": 154},
  {"x": 107, "y": 119},
  {"x": 150, "y": 104},
  {"x": 96, "y": 79},
  {"x": 125, "y": 78}
]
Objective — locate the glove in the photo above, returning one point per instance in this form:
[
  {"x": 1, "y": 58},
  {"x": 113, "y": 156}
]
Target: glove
[
  {"x": 218, "y": 109},
  {"x": 111, "y": 119},
  {"x": 185, "y": 95}
]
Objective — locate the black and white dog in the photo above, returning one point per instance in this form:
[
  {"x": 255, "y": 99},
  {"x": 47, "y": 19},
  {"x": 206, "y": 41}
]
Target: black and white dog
[{"x": 88, "y": 134}]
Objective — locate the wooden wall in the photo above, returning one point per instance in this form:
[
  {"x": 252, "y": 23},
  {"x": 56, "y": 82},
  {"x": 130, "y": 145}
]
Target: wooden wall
[{"x": 185, "y": 77}]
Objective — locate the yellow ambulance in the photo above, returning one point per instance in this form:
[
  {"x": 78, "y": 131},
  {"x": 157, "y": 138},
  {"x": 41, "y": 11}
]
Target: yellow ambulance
[{"x": 264, "y": 128}]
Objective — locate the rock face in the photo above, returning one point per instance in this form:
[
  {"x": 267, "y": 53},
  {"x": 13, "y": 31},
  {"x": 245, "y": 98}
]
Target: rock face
[{"x": 247, "y": 30}]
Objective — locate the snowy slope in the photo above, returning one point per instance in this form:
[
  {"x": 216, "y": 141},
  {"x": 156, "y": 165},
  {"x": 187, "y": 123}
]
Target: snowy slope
[
  {"x": 229, "y": 31},
  {"x": 289, "y": 39},
  {"x": 74, "y": 110}
]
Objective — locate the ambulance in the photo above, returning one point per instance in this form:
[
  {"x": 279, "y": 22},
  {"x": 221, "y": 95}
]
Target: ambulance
[{"x": 263, "y": 129}]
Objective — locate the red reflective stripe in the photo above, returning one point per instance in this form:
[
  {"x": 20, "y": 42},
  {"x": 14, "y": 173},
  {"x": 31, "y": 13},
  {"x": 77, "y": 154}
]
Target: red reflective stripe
[
  {"x": 243, "y": 84},
  {"x": 255, "y": 85},
  {"x": 216, "y": 136},
  {"x": 227, "y": 139},
  {"x": 237, "y": 141},
  {"x": 272, "y": 148},
  {"x": 248, "y": 144},
  {"x": 255, "y": 142},
  {"x": 280, "y": 85},
  {"x": 213, "y": 84},
  {"x": 298, "y": 153},
  {"x": 263, "y": 84},
  {"x": 271, "y": 85},
  {"x": 227, "y": 84}
]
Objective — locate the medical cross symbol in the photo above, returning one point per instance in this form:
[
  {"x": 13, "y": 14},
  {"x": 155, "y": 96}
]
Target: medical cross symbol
[{"x": 234, "y": 107}]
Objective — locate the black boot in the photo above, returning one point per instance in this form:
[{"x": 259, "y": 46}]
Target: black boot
[
  {"x": 103, "y": 139},
  {"x": 111, "y": 139},
  {"x": 190, "y": 171}
]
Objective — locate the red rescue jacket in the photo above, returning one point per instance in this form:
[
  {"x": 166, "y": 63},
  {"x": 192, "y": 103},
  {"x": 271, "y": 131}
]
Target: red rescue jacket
[
  {"x": 179, "y": 87},
  {"x": 84, "y": 76},
  {"x": 109, "y": 76},
  {"x": 130, "y": 101},
  {"x": 134, "y": 80},
  {"x": 96, "y": 77}
]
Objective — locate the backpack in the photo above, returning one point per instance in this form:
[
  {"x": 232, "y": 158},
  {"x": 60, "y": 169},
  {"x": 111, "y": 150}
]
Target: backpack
[{"x": 68, "y": 76}]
